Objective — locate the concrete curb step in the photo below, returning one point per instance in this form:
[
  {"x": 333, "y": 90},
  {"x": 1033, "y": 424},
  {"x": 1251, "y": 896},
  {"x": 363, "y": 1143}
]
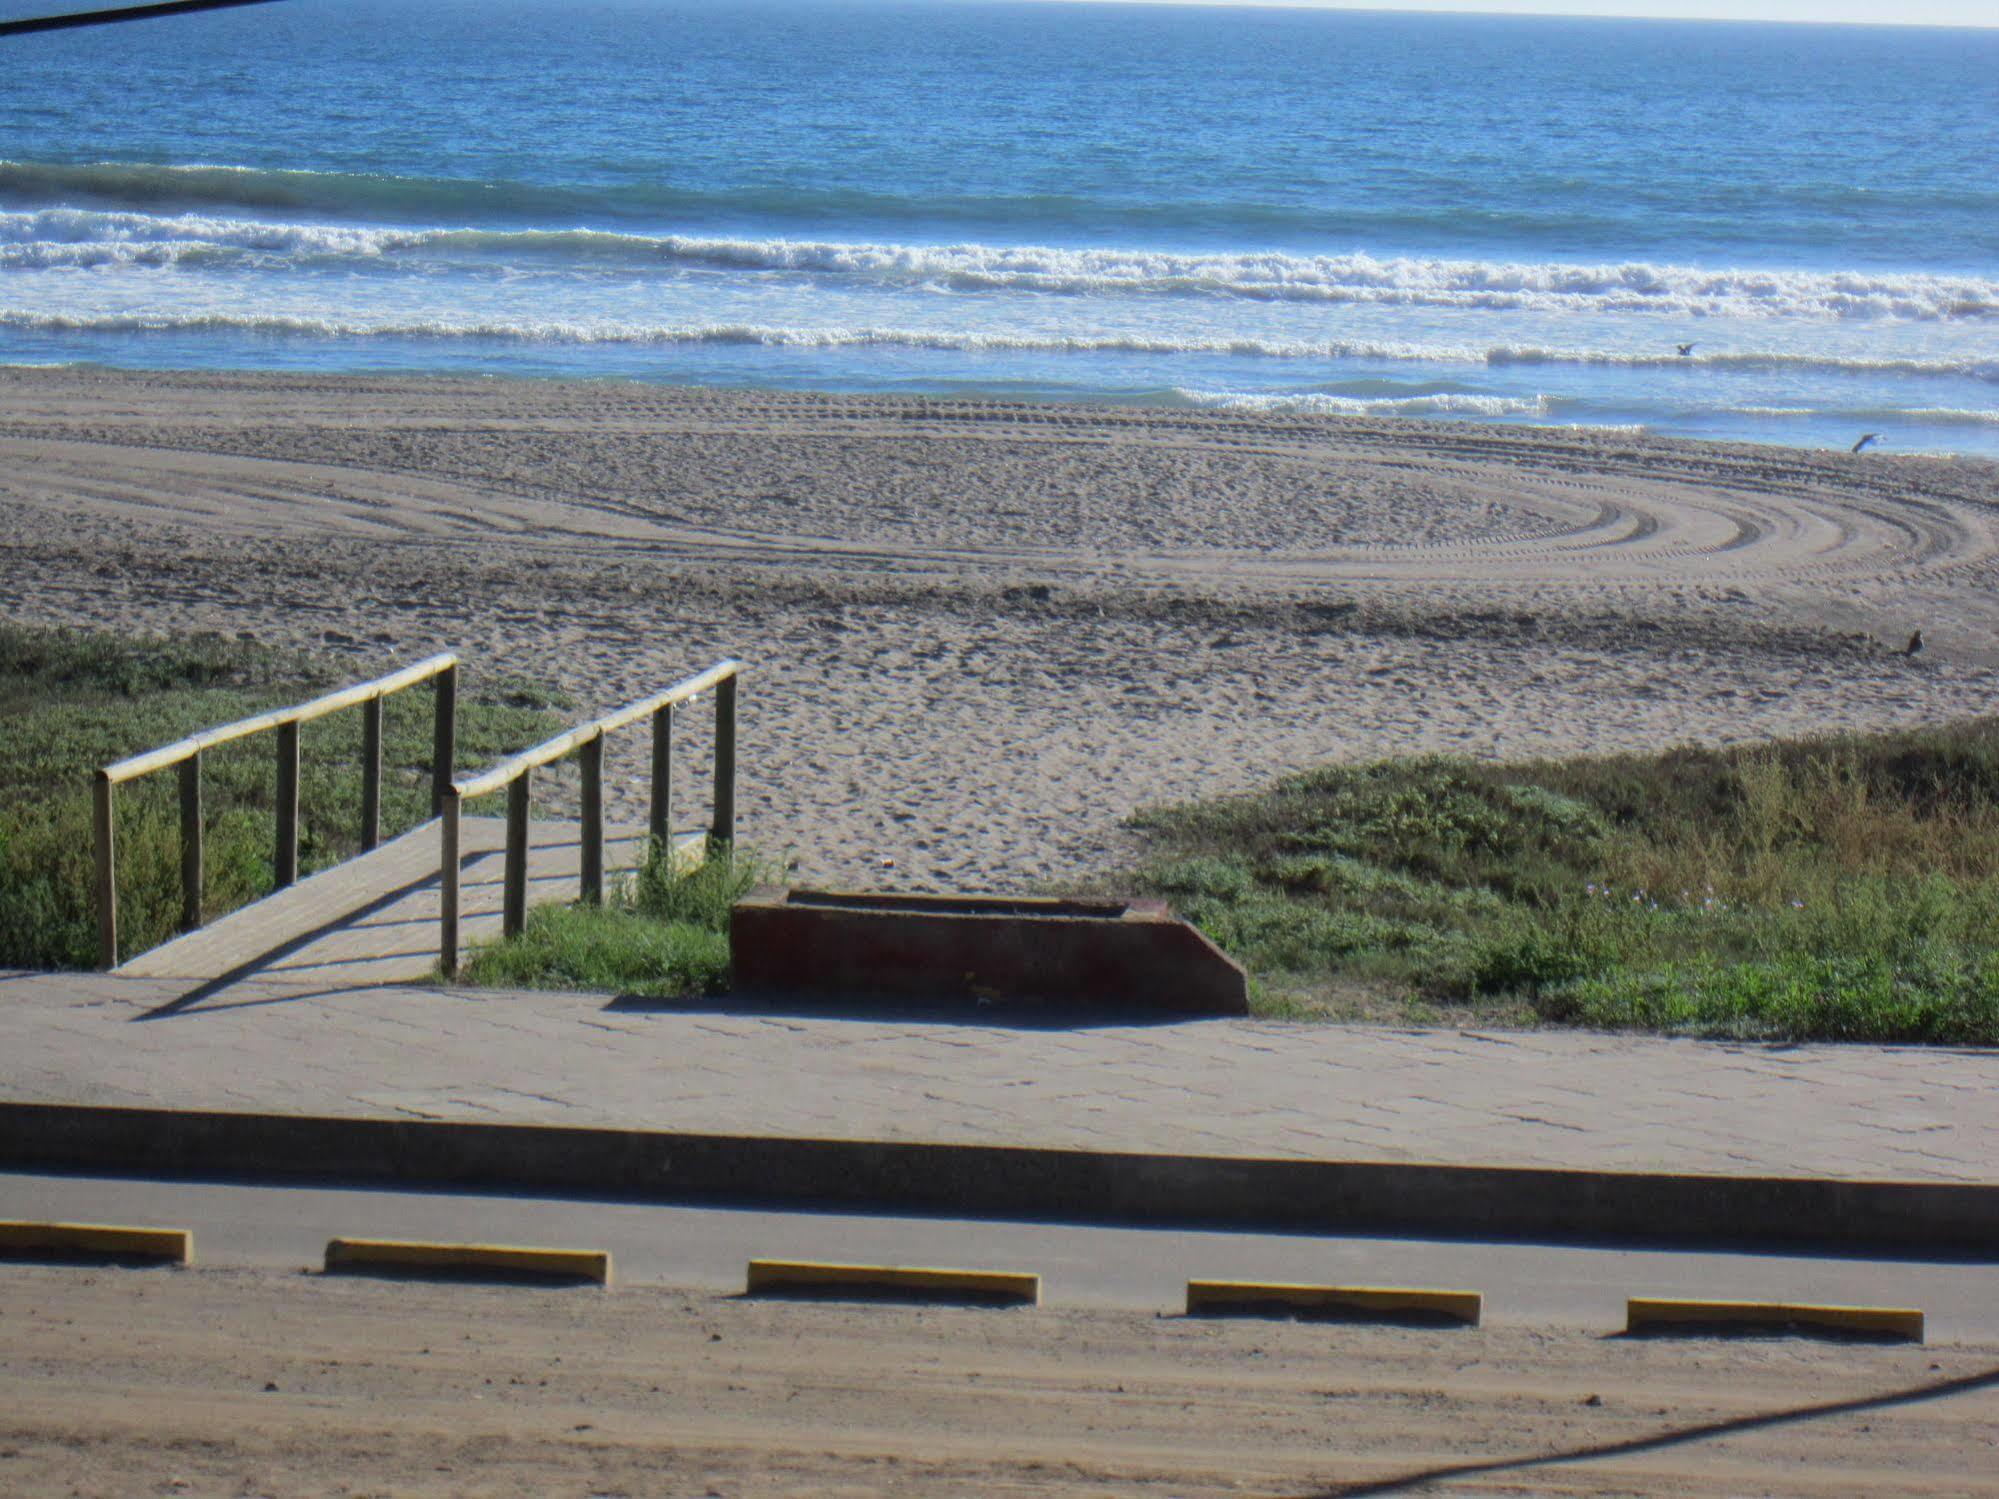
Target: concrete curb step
[
  {"x": 1011, "y": 1181},
  {"x": 1654, "y": 1314},
  {"x": 422, "y": 1256},
  {"x": 1251, "y": 1298},
  {"x": 108, "y": 1241},
  {"x": 899, "y": 1282}
]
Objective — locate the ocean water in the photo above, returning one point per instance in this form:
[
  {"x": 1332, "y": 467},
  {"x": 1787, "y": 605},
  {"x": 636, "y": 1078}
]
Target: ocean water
[{"x": 1511, "y": 219}]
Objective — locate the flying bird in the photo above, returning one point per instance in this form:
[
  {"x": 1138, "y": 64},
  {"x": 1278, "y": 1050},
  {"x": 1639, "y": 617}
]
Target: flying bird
[
  {"x": 1686, "y": 350},
  {"x": 1865, "y": 439}
]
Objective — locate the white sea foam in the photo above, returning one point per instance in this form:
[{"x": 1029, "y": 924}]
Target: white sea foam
[
  {"x": 1359, "y": 278},
  {"x": 81, "y": 228},
  {"x": 71, "y": 235},
  {"x": 843, "y": 337},
  {"x": 1924, "y": 416},
  {"x": 1442, "y": 404}
]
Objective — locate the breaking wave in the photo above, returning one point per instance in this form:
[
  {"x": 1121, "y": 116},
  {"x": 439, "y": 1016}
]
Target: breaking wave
[
  {"x": 71, "y": 236},
  {"x": 1922, "y": 416},
  {"x": 1442, "y": 404},
  {"x": 841, "y": 337}
]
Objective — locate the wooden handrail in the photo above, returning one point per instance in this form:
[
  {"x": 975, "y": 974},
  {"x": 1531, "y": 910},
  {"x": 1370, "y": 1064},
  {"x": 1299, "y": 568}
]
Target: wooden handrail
[
  {"x": 497, "y": 777},
  {"x": 515, "y": 775},
  {"x": 347, "y": 697},
  {"x": 187, "y": 753}
]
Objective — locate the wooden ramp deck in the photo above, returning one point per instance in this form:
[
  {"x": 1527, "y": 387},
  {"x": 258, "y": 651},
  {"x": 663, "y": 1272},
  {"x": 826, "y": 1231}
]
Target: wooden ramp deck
[{"x": 374, "y": 919}]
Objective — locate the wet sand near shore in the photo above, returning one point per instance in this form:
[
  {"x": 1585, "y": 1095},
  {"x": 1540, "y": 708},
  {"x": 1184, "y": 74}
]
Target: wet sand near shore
[{"x": 980, "y": 635}]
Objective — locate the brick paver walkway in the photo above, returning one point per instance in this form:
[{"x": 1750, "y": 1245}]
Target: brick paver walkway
[{"x": 1218, "y": 1088}]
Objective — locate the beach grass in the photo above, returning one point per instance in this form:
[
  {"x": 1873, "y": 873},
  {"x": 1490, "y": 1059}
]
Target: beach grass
[
  {"x": 1841, "y": 888},
  {"x": 1838, "y": 889},
  {"x": 71, "y": 701},
  {"x": 658, "y": 934}
]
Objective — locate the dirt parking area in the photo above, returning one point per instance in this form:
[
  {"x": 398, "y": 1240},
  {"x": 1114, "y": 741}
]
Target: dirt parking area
[{"x": 123, "y": 1383}]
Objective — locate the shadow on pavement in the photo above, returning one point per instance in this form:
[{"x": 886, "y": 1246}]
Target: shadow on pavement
[
  {"x": 999, "y": 1014},
  {"x": 1940, "y": 1390}
]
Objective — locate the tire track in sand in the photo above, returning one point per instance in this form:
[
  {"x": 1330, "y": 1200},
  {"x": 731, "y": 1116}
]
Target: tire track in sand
[{"x": 1631, "y": 515}]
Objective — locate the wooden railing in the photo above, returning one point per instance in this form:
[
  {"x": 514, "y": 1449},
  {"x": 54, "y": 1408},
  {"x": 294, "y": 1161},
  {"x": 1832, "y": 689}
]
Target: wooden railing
[
  {"x": 186, "y": 753},
  {"x": 516, "y": 777}
]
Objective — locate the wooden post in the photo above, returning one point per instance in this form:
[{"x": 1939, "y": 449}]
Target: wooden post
[
  {"x": 447, "y": 880},
  {"x": 371, "y": 774},
  {"x": 724, "y": 830},
  {"x": 103, "y": 805},
  {"x": 190, "y": 842},
  {"x": 662, "y": 780},
  {"x": 285, "y": 858},
  {"x": 444, "y": 738},
  {"x": 515, "y": 912},
  {"x": 592, "y": 756}
]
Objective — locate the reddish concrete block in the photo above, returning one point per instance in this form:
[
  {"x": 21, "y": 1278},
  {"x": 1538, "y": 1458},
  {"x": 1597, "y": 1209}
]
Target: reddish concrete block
[{"x": 980, "y": 947}]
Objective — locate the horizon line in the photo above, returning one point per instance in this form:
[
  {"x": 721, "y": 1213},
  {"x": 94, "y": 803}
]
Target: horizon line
[{"x": 1338, "y": 7}]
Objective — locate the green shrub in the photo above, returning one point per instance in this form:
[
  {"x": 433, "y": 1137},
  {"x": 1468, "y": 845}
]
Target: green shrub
[
  {"x": 611, "y": 949},
  {"x": 1225, "y": 879},
  {"x": 1845, "y": 887},
  {"x": 699, "y": 897},
  {"x": 660, "y": 933},
  {"x": 72, "y": 701},
  {"x": 1945, "y": 996},
  {"x": 1529, "y": 958}
]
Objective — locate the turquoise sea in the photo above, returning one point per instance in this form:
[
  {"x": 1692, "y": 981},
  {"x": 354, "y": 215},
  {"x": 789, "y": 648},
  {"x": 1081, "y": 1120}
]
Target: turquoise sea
[{"x": 1496, "y": 218}]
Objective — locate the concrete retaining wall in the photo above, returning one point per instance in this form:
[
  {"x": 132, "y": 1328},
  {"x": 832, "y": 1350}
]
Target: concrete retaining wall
[
  {"x": 986, "y": 949},
  {"x": 974, "y": 1180}
]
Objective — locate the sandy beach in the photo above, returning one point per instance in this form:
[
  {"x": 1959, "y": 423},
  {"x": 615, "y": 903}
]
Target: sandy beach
[{"x": 980, "y": 635}]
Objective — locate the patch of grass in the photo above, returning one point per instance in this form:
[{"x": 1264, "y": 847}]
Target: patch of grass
[
  {"x": 659, "y": 934},
  {"x": 1843, "y": 888},
  {"x": 72, "y": 701}
]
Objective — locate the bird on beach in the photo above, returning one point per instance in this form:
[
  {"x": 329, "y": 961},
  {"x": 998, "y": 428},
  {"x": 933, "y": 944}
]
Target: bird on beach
[
  {"x": 1865, "y": 439},
  {"x": 1686, "y": 350},
  {"x": 1915, "y": 644}
]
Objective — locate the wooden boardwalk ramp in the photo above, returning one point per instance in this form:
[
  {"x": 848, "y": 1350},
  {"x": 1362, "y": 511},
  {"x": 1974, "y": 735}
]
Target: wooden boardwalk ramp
[
  {"x": 374, "y": 919},
  {"x": 403, "y": 910}
]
